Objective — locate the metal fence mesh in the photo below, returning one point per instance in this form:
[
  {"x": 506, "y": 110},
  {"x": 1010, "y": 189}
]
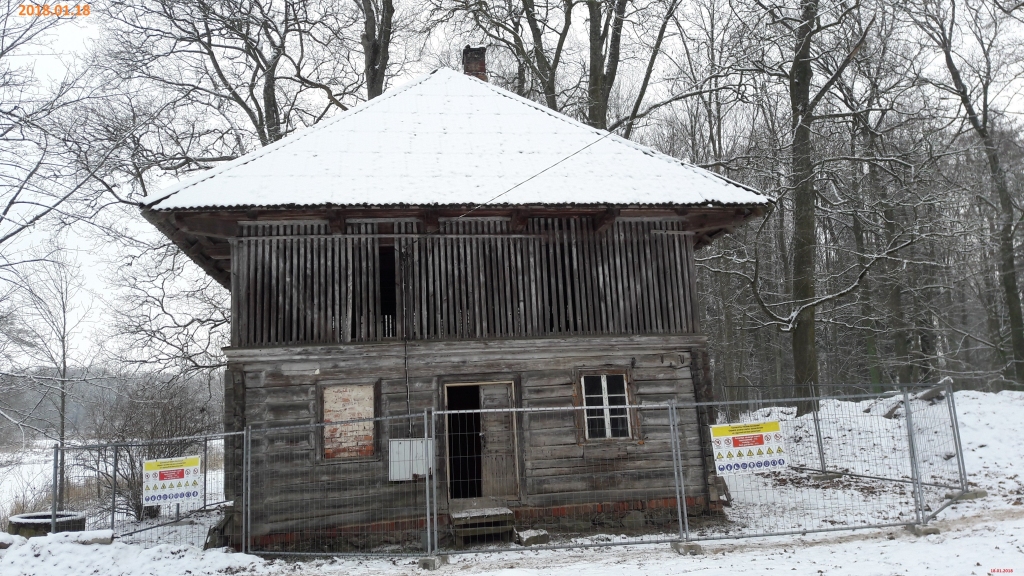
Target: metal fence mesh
[
  {"x": 309, "y": 494},
  {"x": 506, "y": 474},
  {"x": 507, "y": 478},
  {"x": 859, "y": 460},
  {"x": 107, "y": 483}
]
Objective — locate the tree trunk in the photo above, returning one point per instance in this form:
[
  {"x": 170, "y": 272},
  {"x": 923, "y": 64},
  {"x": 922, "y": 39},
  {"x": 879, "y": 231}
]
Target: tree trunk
[
  {"x": 1007, "y": 264},
  {"x": 376, "y": 44},
  {"x": 603, "y": 66},
  {"x": 804, "y": 243}
]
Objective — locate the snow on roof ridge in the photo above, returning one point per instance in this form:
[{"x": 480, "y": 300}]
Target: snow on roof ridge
[{"x": 296, "y": 137}]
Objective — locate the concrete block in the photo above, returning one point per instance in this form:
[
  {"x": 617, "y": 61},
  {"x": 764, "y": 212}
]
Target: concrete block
[
  {"x": 826, "y": 476},
  {"x": 932, "y": 393},
  {"x": 969, "y": 495},
  {"x": 433, "y": 562},
  {"x": 922, "y": 530},
  {"x": 96, "y": 537},
  {"x": 532, "y": 537},
  {"x": 687, "y": 548},
  {"x": 634, "y": 520}
]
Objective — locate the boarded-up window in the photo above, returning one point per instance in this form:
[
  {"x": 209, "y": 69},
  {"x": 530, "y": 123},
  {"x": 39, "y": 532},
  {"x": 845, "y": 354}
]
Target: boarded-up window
[{"x": 342, "y": 437}]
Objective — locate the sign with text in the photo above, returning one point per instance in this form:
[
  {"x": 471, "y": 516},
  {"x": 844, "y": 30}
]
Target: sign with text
[
  {"x": 749, "y": 447},
  {"x": 172, "y": 481}
]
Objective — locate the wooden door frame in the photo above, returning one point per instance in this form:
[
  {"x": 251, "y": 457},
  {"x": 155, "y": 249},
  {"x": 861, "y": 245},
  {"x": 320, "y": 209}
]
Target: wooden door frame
[{"x": 515, "y": 430}]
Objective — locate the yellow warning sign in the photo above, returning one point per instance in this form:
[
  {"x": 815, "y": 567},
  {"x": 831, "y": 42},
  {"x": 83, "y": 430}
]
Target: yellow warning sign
[
  {"x": 739, "y": 442},
  {"x": 170, "y": 463},
  {"x": 741, "y": 429}
]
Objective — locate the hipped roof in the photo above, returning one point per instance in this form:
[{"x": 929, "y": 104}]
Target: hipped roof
[{"x": 448, "y": 139}]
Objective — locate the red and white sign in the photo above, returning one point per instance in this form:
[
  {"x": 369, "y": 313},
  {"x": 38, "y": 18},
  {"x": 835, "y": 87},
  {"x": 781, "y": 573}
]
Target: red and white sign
[{"x": 172, "y": 481}]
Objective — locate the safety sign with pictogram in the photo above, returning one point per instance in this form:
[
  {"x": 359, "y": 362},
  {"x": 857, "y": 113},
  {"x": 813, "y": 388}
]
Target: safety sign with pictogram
[
  {"x": 749, "y": 447},
  {"x": 172, "y": 481}
]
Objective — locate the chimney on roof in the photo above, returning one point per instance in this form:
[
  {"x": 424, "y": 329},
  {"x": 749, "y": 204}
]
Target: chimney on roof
[{"x": 474, "y": 61}]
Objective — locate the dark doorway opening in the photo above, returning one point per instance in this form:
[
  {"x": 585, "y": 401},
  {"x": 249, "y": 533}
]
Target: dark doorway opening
[
  {"x": 464, "y": 450},
  {"x": 388, "y": 293}
]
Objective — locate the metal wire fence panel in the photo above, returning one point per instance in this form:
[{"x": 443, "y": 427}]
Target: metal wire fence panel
[
  {"x": 156, "y": 492},
  {"x": 932, "y": 417},
  {"x": 497, "y": 477},
  {"x": 838, "y": 462},
  {"x": 350, "y": 487},
  {"x": 575, "y": 476}
]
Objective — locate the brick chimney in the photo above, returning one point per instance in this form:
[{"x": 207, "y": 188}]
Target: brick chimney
[{"x": 474, "y": 61}]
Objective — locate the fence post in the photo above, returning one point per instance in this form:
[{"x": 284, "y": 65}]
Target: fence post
[
  {"x": 206, "y": 466},
  {"x": 951, "y": 404},
  {"x": 433, "y": 477},
  {"x": 678, "y": 470},
  {"x": 815, "y": 407},
  {"x": 915, "y": 474},
  {"x": 246, "y": 472},
  {"x": 426, "y": 483},
  {"x": 113, "y": 491},
  {"x": 53, "y": 494}
]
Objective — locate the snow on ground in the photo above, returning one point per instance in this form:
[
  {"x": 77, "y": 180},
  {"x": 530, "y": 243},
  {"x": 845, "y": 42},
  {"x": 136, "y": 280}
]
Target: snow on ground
[{"x": 978, "y": 537}]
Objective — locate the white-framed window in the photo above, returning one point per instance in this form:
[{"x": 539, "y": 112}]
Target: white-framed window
[{"x": 605, "y": 398}]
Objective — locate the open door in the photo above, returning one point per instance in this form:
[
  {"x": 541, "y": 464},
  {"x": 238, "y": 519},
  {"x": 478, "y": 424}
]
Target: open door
[
  {"x": 482, "y": 451},
  {"x": 498, "y": 442}
]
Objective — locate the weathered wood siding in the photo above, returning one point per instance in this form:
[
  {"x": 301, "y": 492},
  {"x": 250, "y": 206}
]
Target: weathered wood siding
[
  {"x": 476, "y": 278},
  {"x": 298, "y": 488}
]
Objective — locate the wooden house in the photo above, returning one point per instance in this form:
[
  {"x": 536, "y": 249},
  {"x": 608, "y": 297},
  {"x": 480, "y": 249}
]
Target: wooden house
[{"x": 450, "y": 245}]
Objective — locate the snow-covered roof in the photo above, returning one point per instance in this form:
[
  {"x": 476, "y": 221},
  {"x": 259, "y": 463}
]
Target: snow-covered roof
[{"x": 450, "y": 139}]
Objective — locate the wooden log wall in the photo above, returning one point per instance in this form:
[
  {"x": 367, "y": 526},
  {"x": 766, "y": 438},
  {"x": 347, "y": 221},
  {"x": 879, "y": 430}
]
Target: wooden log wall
[
  {"x": 476, "y": 279},
  {"x": 302, "y": 490}
]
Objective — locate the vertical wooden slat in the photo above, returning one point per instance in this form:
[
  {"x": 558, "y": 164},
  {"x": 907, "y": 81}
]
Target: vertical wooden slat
[
  {"x": 275, "y": 291},
  {"x": 347, "y": 302},
  {"x": 264, "y": 301},
  {"x": 691, "y": 267},
  {"x": 443, "y": 289},
  {"x": 236, "y": 296},
  {"x": 589, "y": 272},
  {"x": 640, "y": 284},
  {"x": 618, "y": 272},
  {"x": 659, "y": 261},
  {"x": 505, "y": 291},
  {"x": 481, "y": 301}
]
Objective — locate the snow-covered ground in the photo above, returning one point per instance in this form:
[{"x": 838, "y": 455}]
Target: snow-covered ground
[{"x": 977, "y": 537}]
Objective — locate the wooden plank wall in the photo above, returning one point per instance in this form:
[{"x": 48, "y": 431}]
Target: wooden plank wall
[{"x": 477, "y": 279}]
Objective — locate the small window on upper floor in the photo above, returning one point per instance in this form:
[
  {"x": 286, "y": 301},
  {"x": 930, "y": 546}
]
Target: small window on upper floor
[{"x": 606, "y": 398}]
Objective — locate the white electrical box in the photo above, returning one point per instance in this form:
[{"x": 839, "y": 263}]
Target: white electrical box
[{"x": 409, "y": 458}]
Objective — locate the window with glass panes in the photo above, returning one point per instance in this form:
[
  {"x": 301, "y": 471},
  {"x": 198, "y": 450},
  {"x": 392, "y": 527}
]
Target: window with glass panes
[{"x": 605, "y": 399}]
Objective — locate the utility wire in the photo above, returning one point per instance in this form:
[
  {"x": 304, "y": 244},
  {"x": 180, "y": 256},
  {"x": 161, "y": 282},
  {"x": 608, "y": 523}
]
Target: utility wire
[{"x": 606, "y": 134}]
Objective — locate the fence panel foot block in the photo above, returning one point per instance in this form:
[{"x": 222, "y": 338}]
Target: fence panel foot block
[{"x": 687, "y": 548}]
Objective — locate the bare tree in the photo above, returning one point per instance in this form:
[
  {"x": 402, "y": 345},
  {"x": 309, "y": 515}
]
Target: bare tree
[
  {"x": 981, "y": 56},
  {"x": 53, "y": 310}
]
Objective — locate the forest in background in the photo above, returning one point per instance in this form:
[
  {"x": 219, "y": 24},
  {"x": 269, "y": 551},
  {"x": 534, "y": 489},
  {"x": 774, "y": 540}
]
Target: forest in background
[{"x": 885, "y": 132}]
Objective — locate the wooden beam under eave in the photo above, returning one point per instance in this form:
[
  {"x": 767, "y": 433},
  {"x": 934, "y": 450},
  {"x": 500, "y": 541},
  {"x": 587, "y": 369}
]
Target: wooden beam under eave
[
  {"x": 605, "y": 220},
  {"x": 209, "y": 226},
  {"x": 219, "y": 251},
  {"x": 190, "y": 245}
]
